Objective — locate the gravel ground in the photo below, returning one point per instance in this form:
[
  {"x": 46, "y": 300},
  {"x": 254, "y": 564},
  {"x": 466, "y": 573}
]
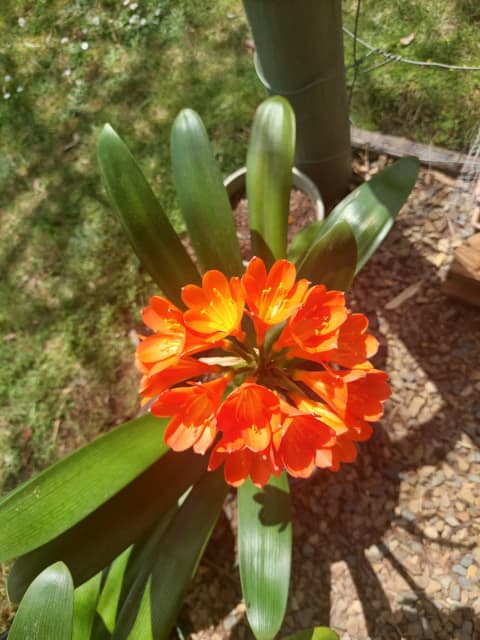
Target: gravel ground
[{"x": 387, "y": 548}]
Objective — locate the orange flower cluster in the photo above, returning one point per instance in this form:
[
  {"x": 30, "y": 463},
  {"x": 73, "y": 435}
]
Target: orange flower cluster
[{"x": 267, "y": 371}]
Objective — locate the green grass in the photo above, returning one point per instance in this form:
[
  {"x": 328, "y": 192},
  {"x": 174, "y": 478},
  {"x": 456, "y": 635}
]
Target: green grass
[
  {"x": 70, "y": 288},
  {"x": 429, "y": 105}
]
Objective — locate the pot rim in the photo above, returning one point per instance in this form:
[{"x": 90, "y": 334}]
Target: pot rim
[{"x": 236, "y": 181}]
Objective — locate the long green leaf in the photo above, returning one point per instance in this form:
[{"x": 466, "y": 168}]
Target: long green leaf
[
  {"x": 370, "y": 211},
  {"x": 269, "y": 177},
  {"x": 69, "y": 490},
  {"x": 332, "y": 260},
  {"x": 110, "y": 595},
  {"x": 203, "y": 198},
  {"x": 152, "y": 606},
  {"x": 144, "y": 221},
  {"x": 137, "y": 568},
  {"x": 265, "y": 548},
  {"x": 94, "y": 542},
  {"x": 316, "y": 633},
  {"x": 85, "y": 604},
  {"x": 46, "y": 611}
]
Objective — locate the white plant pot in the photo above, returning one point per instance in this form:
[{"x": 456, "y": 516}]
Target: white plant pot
[{"x": 236, "y": 182}]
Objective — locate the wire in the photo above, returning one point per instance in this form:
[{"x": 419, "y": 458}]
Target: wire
[{"x": 391, "y": 57}]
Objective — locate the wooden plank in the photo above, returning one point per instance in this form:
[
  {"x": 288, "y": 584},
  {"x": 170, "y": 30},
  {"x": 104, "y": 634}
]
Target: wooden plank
[
  {"x": 463, "y": 280},
  {"x": 396, "y": 147}
]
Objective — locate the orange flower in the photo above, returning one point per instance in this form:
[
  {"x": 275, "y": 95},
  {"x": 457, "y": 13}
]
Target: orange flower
[
  {"x": 272, "y": 297},
  {"x": 194, "y": 411},
  {"x": 297, "y": 401},
  {"x": 186, "y": 368},
  {"x": 344, "y": 450},
  {"x": 244, "y": 463},
  {"x": 299, "y": 440},
  {"x": 354, "y": 346},
  {"x": 358, "y": 393},
  {"x": 314, "y": 327},
  {"x": 215, "y": 308},
  {"x": 165, "y": 346},
  {"x": 247, "y": 418}
]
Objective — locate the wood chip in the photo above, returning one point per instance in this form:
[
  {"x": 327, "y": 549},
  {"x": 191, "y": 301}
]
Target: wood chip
[{"x": 405, "y": 295}]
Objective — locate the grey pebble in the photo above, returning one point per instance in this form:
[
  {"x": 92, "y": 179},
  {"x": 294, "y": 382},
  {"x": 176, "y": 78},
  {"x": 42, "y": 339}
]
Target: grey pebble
[
  {"x": 459, "y": 570},
  {"x": 454, "y": 592},
  {"x": 408, "y": 515},
  {"x": 465, "y": 584},
  {"x": 466, "y": 561}
]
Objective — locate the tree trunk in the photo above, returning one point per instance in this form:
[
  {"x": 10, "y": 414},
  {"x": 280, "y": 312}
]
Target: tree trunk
[{"x": 299, "y": 55}]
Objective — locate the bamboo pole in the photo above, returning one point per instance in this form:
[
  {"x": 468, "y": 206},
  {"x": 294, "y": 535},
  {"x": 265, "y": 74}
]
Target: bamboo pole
[{"x": 299, "y": 54}]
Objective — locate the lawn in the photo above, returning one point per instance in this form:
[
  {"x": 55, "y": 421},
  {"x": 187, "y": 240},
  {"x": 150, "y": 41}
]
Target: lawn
[{"x": 70, "y": 288}]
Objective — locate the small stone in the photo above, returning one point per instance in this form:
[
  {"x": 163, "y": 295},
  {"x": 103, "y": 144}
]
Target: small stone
[
  {"x": 415, "y": 406},
  {"x": 463, "y": 516},
  {"x": 473, "y": 573},
  {"x": 433, "y": 586},
  {"x": 431, "y": 532},
  {"x": 467, "y": 560},
  {"x": 463, "y": 465},
  {"x": 459, "y": 570},
  {"x": 454, "y": 592},
  {"x": 408, "y": 515},
  {"x": 452, "y": 521},
  {"x": 465, "y": 584},
  {"x": 437, "y": 479}
]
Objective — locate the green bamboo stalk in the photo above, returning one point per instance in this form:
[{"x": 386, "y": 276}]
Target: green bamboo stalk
[{"x": 299, "y": 54}]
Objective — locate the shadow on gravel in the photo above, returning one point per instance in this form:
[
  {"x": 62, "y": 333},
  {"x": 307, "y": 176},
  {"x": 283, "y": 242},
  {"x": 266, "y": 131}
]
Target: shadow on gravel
[{"x": 347, "y": 513}]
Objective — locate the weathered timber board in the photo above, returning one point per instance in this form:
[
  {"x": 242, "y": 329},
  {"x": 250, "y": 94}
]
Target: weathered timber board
[
  {"x": 396, "y": 147},
  {"x": 463, "y": 280}
]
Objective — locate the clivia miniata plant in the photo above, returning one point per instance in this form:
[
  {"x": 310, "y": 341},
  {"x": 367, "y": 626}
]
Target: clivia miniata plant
[{"x": 252, "y": 374}]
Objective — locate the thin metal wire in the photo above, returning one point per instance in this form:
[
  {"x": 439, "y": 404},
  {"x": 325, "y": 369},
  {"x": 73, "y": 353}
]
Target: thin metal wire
[{"x": 391, "y": 57}]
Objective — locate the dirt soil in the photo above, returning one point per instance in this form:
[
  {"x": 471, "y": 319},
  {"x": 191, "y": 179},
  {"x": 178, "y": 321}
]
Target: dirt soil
[
  {"x": 302, "y": 212},
  {"x": 387, "y": 549}
]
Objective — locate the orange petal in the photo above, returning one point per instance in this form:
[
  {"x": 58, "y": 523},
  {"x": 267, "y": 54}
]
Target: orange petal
[
  {"x": 315, "y": 325},
  {"x": 216, "y": 308},
  {"x": 237, "y": 467},
  {"x": 303, "y": 436}
]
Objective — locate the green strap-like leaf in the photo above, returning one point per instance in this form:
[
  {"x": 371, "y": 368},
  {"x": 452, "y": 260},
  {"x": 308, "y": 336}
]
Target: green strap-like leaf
[
  {"x": 144, "y": 221},
  {"x": 110, "y": 595},
  {"x": 332, "y": 260},
  {"x": 93, "y": 543},
  {"x": 202, "y": 196},
  {"x": 316, "y": 633},
  {"x": 66, "y": 492},
  {"x": 265, "y": 548},
  {"x": 85, "y": 604},
  {"x": 154, "y": 601},
  {"x": 269, "y": 177},
  {"x": 370, "y": 211},
  {"x": 46, "y": 611}
]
